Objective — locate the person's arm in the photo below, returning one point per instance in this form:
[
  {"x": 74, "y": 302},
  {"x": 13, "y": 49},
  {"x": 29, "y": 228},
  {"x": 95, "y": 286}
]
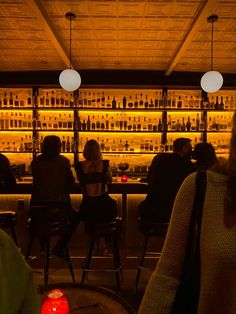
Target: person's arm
[
  {"x": 161, "y": 289},
  {"x": 69, "y": 174}
]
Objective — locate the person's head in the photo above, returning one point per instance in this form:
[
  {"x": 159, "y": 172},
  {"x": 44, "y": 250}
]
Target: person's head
[
  {"x": 183, "y": 147},
  {"x": 51, "y": 146},
  {"x": 92, "y": 151},
  {"x": 205, "y": 155}
]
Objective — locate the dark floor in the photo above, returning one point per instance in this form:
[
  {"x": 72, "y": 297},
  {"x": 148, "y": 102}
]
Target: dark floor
[{"x": 103, "y": 279}]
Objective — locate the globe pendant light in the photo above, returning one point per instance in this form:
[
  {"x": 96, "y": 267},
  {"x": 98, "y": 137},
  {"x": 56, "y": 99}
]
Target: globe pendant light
[
  {"x": 70, "y": 79},
  {"x": 212, "y": 80}
]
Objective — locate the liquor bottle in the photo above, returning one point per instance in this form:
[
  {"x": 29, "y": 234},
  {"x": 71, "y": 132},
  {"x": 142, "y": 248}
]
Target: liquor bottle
[
  {"x": 52, "y": 99},
  {"x": 173, "y": 101},
  {"x": 5, "y": 100},
  {"x": 102, "y": 146},
  {"x": 11, "y": 101},
  {"x": 217, "y": 104},
  {"x": 179, "y": 104},
  {"x": 98, "y": 101},
  {"x": 102, "y": 124},
  {"x": 188, "y": 125},
  {"x": 129, "y": 125},
  {"x": 232, "y": 104},
  {"x": 114, "y": 103},
  {"x": 149, "y": 125},
  {"x": 146, "y": 146},
  {"x": 151, "y": 146},
  {"x": 16, "y": 101},
  {"x": 136, "y": 102},
  {"x": 125, "y": 122},
  {"x": 227, "y": 103},
  {"x": 151, "y": 105},
  {"x": 144, "y": 124},
  {"x": 159, "y": 126},
  {"x": 112, "y": 123},
  {"x": 84, "y": 125},
  {"x": 139, "y": 124},
  {"x": 169, "y": 122},
  {"x": 93, "y": 124},
  {"x": 185, "y": 102},
  {"x": 156, "y": 147},
  {"x": 183, "y": 126},
  {"x": 212, "y": 103},
  {"x": 57, "y": 99},
  {"x": 107, "y": 122},
  {"x": 141, "y": 101},
  {"x": 113, "y": 146},
  {"x": 146, "y": 102},
  {"x": 178, "y": 125},
  {"x": 124, "y": 101},
  {"x": 103, "y": 100},
  {"x": 126, "y": 146},
  {"x": 68, "y": 146},
  {"x": 88, "y": 124},
  {"x": 165, "y": 101},
  {"x": 197, "y": 123},
  {"x": 156, "y": 101},
  {"x": 141, "y": 147},
  {"x": 29, "y": 100},
  {"x": 169, "y": 99},
  {"x": 120, "y": 146},
  {"x": 191, "y": 102},
  {"x": 89, "y": 102},
  {"x": 221, "y": 106},
  {"x": 196, "y": 103},
  {"x": 121, "y": 123},
  {"x": 108, "y": 102},
  {"x": 62, "y": 100},
  {"x": 94, "y": 102},
  {"x": 130, "y": 102}
]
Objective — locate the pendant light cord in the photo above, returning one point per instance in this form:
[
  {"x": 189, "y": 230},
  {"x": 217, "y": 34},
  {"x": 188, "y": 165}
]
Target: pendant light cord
[
  {"x": 70, "y": 42},
  {"x": 212, "y": 45}
]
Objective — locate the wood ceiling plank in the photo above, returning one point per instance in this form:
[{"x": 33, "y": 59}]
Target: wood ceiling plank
[
  {"x": 41, "y": 14},
  {"x": 206, "y": 7}
]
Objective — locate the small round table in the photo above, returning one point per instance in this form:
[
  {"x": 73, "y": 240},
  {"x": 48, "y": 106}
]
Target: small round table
[{"x": 87, "y": 299}]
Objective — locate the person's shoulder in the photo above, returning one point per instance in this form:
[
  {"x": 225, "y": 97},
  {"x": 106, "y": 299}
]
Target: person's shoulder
[
  {"x": 4, "y": 159},
  {"x": 63, "y": 159}
]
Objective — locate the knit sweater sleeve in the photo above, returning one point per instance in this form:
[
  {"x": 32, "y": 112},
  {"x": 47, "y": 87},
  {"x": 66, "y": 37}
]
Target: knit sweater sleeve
[
  {"x": 18, "y": 291},
  {"x": 161, "y": 289}
]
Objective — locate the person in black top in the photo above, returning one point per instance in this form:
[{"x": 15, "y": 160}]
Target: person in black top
[
  {"x": 165, "y": 176},
  {"x": 7, "y": 179},
  {"x": 94, "y": 176}
]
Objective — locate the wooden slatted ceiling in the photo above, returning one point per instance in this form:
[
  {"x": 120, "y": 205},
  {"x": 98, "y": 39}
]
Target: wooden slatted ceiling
[{"x": 122, "y": 34}]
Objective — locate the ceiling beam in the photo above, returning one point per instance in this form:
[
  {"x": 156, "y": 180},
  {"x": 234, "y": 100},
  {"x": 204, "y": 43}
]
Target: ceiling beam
[
  {"x": 206, "y": 8},
  {"x": 44, "y": 20}
]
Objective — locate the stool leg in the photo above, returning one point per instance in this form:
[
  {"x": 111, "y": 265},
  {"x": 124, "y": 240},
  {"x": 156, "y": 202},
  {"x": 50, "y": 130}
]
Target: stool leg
[
  {"x": 141, "y": 260},
  {"x": 29, "y": 248},
  {"x": 14, "y": 235},
  {"x": 116, "y": 261},
  {"x": 88, "y": 259},
  {"x": 70, "y": 264},
  {"x": 46, "y": 261}
]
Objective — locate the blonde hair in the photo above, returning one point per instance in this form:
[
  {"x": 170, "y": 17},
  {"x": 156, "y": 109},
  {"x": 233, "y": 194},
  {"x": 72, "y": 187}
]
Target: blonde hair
[
  {"x": 230, "y": 196},
  {"x": 92, "y": 151}
]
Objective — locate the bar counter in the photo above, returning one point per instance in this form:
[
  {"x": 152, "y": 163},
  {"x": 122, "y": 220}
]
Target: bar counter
[{"x": 127, "y": 194}]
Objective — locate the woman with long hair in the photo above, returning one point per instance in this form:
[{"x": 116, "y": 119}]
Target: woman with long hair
[
  {"x": 94, "y": 175},
  {"x": 217, "y": 245}
]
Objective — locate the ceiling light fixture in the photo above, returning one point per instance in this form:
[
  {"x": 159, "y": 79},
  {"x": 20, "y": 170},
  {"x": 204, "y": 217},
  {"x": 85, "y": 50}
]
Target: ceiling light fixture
[
  {"x": 212, "y": 80},
  {"x": 70, "y": 79}
]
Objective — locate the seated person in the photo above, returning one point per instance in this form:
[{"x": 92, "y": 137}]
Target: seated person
[
  {"x": 7, "y": 179},
  {"x": 94, "y": 175},
  {"x": 165, "y": 176},
  {"x": 52, "y": 182}
]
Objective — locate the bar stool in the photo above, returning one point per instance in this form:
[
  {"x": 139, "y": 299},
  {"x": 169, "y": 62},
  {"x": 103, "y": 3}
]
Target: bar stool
[
  {"x": 8, "y": 220},
  {"x": 148, "y": 229},
  {"x": 110, "y": 230},
  {"x": 44, "y": 223}
]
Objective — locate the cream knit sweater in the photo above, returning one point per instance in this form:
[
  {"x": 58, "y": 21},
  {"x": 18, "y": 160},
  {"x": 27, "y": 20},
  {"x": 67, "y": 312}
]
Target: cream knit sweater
[{"x": 217, "y": 248}]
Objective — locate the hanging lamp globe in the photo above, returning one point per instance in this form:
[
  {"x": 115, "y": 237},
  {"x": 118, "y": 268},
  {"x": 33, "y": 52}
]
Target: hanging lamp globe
[
  {"x": 211, "y": 81},
  {"x": 70, "y": 80}
]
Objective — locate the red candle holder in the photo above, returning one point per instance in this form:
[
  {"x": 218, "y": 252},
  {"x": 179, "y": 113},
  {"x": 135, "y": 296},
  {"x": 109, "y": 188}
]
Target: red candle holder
[
  {"x": 55, "y": 303},
  {"x": 124, "y": 178}
]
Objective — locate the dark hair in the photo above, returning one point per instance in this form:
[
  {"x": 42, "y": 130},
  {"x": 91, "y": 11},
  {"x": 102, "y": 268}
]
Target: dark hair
[
  {"x": 92, "y": 151},
  {"x": 180, "y": 143},
  {"x": 205, "y": 155},
  {"x": 51, "y": 146},
  {"x": 230, "y": 196}
]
